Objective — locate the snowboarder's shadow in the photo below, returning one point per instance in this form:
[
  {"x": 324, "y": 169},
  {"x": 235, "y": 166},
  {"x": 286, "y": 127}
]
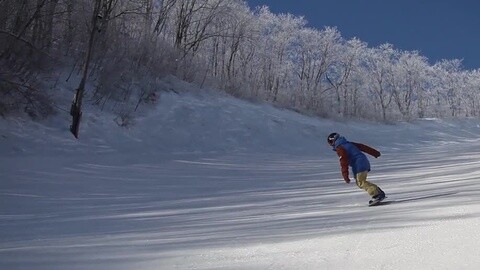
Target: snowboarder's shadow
[{"x": 418, "y": 198}]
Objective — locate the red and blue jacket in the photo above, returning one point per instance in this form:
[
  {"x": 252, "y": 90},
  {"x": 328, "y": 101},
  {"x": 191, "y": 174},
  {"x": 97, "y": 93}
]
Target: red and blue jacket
[{"x": 350, "y": 154}]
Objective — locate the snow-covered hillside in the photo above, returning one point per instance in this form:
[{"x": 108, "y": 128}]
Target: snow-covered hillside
[{"x": 205, "y": 181}]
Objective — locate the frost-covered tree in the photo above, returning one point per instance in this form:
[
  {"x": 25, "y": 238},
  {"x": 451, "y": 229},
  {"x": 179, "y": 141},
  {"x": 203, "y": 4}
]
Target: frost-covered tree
[
  {"x": 409, "y": 82},
  {"x": 379, "y": 63},
  {"x": 472, "y": 92},
  {"x": 277, "y": 34},
  {"x": 343, "y": 76},
  {"x": 223, "y": 52},
  {"x": 315, "y": 52},
  {"x": 449, "y": 90}
]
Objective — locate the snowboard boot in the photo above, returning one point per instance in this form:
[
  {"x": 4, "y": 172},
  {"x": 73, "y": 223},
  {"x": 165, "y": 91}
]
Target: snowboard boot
[{"x": 377, "y": 198}]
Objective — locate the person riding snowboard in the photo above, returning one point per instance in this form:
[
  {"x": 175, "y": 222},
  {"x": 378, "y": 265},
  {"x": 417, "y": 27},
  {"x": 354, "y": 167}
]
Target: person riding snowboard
[{"x": 350, "y": 154}]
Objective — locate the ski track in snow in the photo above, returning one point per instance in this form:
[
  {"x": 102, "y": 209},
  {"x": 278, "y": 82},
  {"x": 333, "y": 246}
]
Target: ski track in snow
[{"x": 108, "y": 202}]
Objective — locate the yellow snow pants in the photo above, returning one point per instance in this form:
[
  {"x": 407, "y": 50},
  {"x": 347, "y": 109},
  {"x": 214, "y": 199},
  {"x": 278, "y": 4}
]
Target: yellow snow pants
[{"x": 370, "y": 188}]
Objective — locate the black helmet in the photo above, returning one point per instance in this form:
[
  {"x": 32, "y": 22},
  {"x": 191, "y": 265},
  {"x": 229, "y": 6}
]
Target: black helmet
[{"x": 332, "y": 138}]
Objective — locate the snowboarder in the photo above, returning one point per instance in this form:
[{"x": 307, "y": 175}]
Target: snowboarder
[{"x": 350, "y": 154}]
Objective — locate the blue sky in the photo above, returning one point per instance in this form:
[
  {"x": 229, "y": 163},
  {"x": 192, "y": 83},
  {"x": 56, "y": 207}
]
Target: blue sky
[{"x": 438, "y": 29}]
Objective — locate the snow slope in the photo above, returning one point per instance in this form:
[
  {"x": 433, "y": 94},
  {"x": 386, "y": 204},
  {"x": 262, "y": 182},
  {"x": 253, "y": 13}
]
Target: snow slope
[{"x": 205, "y": 181}]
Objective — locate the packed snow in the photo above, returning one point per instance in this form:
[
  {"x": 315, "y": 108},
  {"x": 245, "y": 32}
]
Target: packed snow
[{"x": 206, "y": 181}]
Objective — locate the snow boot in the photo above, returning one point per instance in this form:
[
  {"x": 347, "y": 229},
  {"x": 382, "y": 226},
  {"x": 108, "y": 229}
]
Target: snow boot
[{"x": 377, "y": 198}]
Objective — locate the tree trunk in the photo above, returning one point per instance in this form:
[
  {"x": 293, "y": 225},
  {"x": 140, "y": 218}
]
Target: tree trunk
[{"x": 76, "y": 109}]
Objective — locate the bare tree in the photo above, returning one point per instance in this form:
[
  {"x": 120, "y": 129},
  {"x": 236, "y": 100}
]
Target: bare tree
[
  {"x": 76, "y": 108},
  {"x": 193, "y": 21},
  {"x": 166, "y": 8}
]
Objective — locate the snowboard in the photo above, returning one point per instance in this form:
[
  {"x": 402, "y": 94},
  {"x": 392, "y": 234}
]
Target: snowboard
[{"x": 380, "y": 202}]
